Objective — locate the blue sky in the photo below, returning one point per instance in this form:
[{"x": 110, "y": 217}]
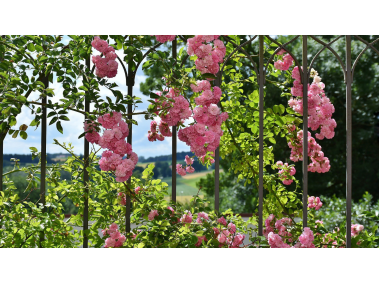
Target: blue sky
[{"x": 73, "y": 128}]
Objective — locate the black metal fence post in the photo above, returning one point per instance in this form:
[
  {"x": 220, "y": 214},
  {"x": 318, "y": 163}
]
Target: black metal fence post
[
  {"x": 349, "y": 129},
  {"x": 305, "y": 131},
  {"x": 174, "y": 141},
  {"x": 45, "y": 80},
  {"x": 130, "y": 82},
  {"x": 217, "y": 157},
  {"x": 85, "y": 172},
  {"x": 2, "y": 137},
  {"x": 261, "y": 78}
]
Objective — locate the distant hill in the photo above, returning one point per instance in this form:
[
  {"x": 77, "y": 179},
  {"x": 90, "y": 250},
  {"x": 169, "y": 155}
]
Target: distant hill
[
  {"x": 179, "y": 157},
  {"x": 24, "y": 158},
  {"x": 55, "y": 157}
]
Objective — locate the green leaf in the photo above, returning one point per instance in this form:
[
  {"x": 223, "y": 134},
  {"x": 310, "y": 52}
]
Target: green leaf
[
  {"x": 15, "y": 134},
  {"x": 194, "y": 239},
  {"x": 33, "y": 149},
  {"x": 208, "y": 76},
  {"x": 272, "y": 140},
  {"x": 276, "y": 109},
  {"x": 42, "y": 59},
  {"x": 31, "y": 47},
  {"x": 154, "y": 95},
  {"x": 39, "y": 48},
  {"x": 12, "y": 121},
  {"x": 33, "y": 123},
  {"x": 52, "y": 113},
  {"x": 25, "y": 78},
  {"x": 119, "y": 44},
  {"x": 254, "y": 128},
  {"x": 23, "y": 135},
  {"x": 53, "y": 121},
  {"x": 63, "y": 117},
  {"x": 59, "y": 127},
  {"x": 199, "y": 233}
]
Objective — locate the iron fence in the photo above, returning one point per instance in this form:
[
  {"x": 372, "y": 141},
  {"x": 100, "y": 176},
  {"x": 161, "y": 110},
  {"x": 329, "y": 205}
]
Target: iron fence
[{"x": 260, "y": 70}]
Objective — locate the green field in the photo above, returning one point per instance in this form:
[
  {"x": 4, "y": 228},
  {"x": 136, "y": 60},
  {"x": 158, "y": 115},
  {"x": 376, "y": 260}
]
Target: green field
[
  {"x": 186, "y": 186},
  {"x": 144, "y": 165}
]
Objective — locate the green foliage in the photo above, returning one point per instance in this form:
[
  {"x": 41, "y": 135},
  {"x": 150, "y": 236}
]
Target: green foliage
[
  {"x": 364, "y": 212},
  {"x": 29, "y": 63}
]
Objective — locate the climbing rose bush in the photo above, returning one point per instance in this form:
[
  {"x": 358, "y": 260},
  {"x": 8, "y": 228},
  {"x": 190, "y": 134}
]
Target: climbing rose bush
[
  {"x": 320, "y": 111},
  {"x": 203, "y": 136},
  {"x": 113, "y": 139},
  {"x": 281, "y": 233}
]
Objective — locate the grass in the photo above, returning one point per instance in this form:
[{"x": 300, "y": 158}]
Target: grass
[
  {"x": 144, "y": 165},
  {"x": 186, "y": 186}
]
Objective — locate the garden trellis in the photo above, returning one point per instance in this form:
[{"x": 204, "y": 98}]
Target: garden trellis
[{"x": 260, "y": 68}]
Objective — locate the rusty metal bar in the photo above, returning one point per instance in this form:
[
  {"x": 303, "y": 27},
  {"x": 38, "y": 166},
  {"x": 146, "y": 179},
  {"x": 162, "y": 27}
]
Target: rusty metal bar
[
  {"x": 174, "y": 141},
  {"x": 261, "y": 81},
  {"x": 43, "y": 154},
  {"x": 130, "y": 83},
  {"x": 305, "y": 131},
  {"x": 349, "y": 129},
  {"x": 85, "y": 172},
  {"x": 217, "y": 82}
]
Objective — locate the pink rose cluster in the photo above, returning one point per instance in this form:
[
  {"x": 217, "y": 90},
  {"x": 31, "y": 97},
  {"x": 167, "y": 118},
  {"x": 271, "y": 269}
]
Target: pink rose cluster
[
  {"x": 137, "y": 190},
  {"x": 208, "y": 56},
  {"x": 152, "y": 214},
  {"x": 320, "y": 109},
  {"x": 172, "y": 210},
  {"x": 306, "y": 239},
  {"x": 189, "y": 169},
  {"x": 356, "y": 229},
  {"x": 177, "y": 112},
  {"x": 113, "y": 139},
  {"x": 107, "y": 66},
  {"x": 200, "y": 239},
  {"x": 121, "y": 198},
  {"x": 228, "y": 236},
  {"x": 116, "y": 239},
  {"x": 283, "y": 237},
  {"x": 165, "y": 38},
  {"x": 154, "y": 134},
  {"x": 187, "y": 217},
  {"x": 281, "y": 226},
  {"x": 285, "y": 172},
  {"x": 201, "y": 216},
  {"x": 206, "y": 158},
  {"x": 319, "y": 162},
  {"x": 286, "y": 63},
  {"x": 204, "y": 136},
  {"x": 314, "y": 202}
]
